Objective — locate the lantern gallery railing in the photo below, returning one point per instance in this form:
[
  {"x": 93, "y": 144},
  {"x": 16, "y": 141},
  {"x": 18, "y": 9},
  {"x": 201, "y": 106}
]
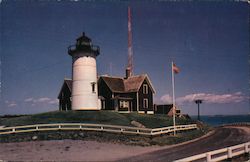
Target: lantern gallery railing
[
  {"x": 93, "y": 48},
  {"x": 219, "y": 155},
  {"x": 96, "y": 127}
]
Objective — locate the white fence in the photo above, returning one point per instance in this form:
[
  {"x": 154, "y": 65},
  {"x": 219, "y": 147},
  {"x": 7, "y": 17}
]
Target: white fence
[
  {"x": 221, "y": 154},
  {"x": 96, "y": 127}
]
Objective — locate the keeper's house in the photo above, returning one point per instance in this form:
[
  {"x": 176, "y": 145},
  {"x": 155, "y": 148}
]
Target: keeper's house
[{"x": 129, "y": 94}]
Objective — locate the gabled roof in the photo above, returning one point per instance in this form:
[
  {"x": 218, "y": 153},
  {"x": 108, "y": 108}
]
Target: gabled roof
[
  {"x": 122, "y": 85},
  {"x": 115, "y": 84},
  {"x": 68, "y": 83},
  {"x": 133, "y": 83}
]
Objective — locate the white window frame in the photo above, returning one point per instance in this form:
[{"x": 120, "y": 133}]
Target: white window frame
[
  {"x": 145, "y": 103},
  {"x": 145, "y": 89},
  {"x": 124, "y": 104}
]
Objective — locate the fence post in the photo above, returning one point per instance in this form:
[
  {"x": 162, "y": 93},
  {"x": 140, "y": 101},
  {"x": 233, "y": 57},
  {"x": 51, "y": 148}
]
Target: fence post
[
  {"x": 37, "y": 128},
  {"x": 59, "y": 126},
  {"x": 229, "y": 152},
  {"x": 13, "y": 129},
  {"x": 209, "y": 157}
]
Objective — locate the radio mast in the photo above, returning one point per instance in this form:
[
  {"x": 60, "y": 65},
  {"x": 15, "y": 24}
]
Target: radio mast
[{"x": 129, "y": 69}]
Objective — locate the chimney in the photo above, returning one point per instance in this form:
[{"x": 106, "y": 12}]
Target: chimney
[{"x": 128, "y": 73}]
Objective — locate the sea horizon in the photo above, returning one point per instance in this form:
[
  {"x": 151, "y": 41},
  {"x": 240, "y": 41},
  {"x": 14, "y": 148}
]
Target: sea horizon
[{"x": 216, "y": 120}]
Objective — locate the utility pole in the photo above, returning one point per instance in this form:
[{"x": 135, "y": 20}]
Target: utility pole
[{"x": 198, "y": 102}]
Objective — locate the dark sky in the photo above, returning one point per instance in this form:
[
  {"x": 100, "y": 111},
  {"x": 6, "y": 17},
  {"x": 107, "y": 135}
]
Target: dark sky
[{"x": 209, "y": 42}]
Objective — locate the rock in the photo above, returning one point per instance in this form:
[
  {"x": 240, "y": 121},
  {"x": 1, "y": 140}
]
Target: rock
[
  {"x": 137, "y": 124},
  {"x": 67, "y": 148},
  {"x": 34, "y": 138},
  {"x": 81, "y": 134}
]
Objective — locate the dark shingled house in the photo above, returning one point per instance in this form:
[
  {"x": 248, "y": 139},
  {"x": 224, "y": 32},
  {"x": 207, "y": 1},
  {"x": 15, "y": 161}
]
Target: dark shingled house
[
  {"x": 65, "y": 95},
  {"x": 130, "y": 94}
]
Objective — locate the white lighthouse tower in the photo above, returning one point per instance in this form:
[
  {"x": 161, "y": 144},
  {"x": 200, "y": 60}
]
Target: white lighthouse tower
[{"x": 84, "y": 74}]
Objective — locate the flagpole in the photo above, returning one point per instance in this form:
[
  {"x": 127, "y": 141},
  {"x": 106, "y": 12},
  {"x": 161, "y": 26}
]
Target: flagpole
[{"x": 173, "y": 97}]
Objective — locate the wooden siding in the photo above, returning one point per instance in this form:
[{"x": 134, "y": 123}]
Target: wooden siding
[
  {"x": 64, "y": 98},
  {"x": 104, "y": 91},
  {"x": 129, "y": 95},
  {"x": 148, "y": 96}
]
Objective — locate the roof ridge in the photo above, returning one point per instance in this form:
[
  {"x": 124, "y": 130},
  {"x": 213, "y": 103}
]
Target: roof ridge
[
  {"x": 107, "y": 76},
  {"x": 137, "y": 75}
]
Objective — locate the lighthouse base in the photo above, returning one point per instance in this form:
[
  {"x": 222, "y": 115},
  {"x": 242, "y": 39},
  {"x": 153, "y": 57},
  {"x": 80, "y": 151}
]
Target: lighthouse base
[{"x": 86, "y": 108}]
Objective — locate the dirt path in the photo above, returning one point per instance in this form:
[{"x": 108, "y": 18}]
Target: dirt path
[
  {"x": 76, "y": 150},
  {"x": 69, "y": 150}
]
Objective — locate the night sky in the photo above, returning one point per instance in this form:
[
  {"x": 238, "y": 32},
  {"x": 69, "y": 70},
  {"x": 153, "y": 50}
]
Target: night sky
[{"x": 208, "y": 41}]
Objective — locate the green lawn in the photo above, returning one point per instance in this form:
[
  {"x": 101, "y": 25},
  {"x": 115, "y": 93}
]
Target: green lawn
[
  {"x": 100, "y": 117},
  {"x": 97, "y": 117}
]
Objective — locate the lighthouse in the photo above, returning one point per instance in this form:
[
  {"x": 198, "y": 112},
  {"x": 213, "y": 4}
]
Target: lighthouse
[{"x": 84, "y": 75}]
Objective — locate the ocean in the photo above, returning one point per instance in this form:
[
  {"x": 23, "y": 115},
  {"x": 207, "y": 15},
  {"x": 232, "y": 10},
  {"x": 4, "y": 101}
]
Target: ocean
[{"x": 217, "y": 120}]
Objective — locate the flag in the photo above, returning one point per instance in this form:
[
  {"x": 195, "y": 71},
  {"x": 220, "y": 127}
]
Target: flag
[{"x": 175, "y": 69}]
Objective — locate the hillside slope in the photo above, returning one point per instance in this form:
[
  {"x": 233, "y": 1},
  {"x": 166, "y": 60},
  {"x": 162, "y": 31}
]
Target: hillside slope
[{"x": 97, "y": 117}]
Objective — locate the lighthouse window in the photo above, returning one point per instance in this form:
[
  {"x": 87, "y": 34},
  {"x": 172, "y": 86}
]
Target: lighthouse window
[{"x": 93, "y": 87}]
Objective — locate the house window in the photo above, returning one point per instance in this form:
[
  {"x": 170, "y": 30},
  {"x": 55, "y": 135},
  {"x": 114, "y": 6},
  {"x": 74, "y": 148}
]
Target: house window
[
  {"x": 145, "y": 103},
  {"x": 145, "y": 89},
  {"x": 124, "y": 104},
  {"x": 93, "y": 85}
]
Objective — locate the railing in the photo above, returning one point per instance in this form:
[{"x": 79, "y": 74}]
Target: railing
[
  {"x": 221, "y": 154},
  {"x": 93, "y": 48},
  {"x": 96, "y": 127}
]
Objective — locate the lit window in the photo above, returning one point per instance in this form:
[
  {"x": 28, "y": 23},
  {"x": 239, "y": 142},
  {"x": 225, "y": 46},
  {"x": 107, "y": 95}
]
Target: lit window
[
  {"x": 145, "y": 89},
  {"x": 145, "y": 103},
  {"x": 124, "y": 104},
  {"x": 121, "y": 104}
]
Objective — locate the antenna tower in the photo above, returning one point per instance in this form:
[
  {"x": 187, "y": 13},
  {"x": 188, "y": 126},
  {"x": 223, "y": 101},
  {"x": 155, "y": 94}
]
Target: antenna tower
[{"x": 130, "y": 51}]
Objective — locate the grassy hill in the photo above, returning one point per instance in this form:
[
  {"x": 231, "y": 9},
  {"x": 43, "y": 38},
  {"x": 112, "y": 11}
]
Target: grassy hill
[{"x": 97, "y": 117}]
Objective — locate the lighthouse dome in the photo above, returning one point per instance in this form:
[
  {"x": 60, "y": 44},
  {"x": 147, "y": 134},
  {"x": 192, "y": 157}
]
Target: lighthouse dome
[{"x": 84, "y": 45}]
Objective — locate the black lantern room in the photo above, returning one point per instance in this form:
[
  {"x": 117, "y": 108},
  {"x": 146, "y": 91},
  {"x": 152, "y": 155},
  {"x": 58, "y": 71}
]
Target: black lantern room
[{"x": 84, "y": 45}]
